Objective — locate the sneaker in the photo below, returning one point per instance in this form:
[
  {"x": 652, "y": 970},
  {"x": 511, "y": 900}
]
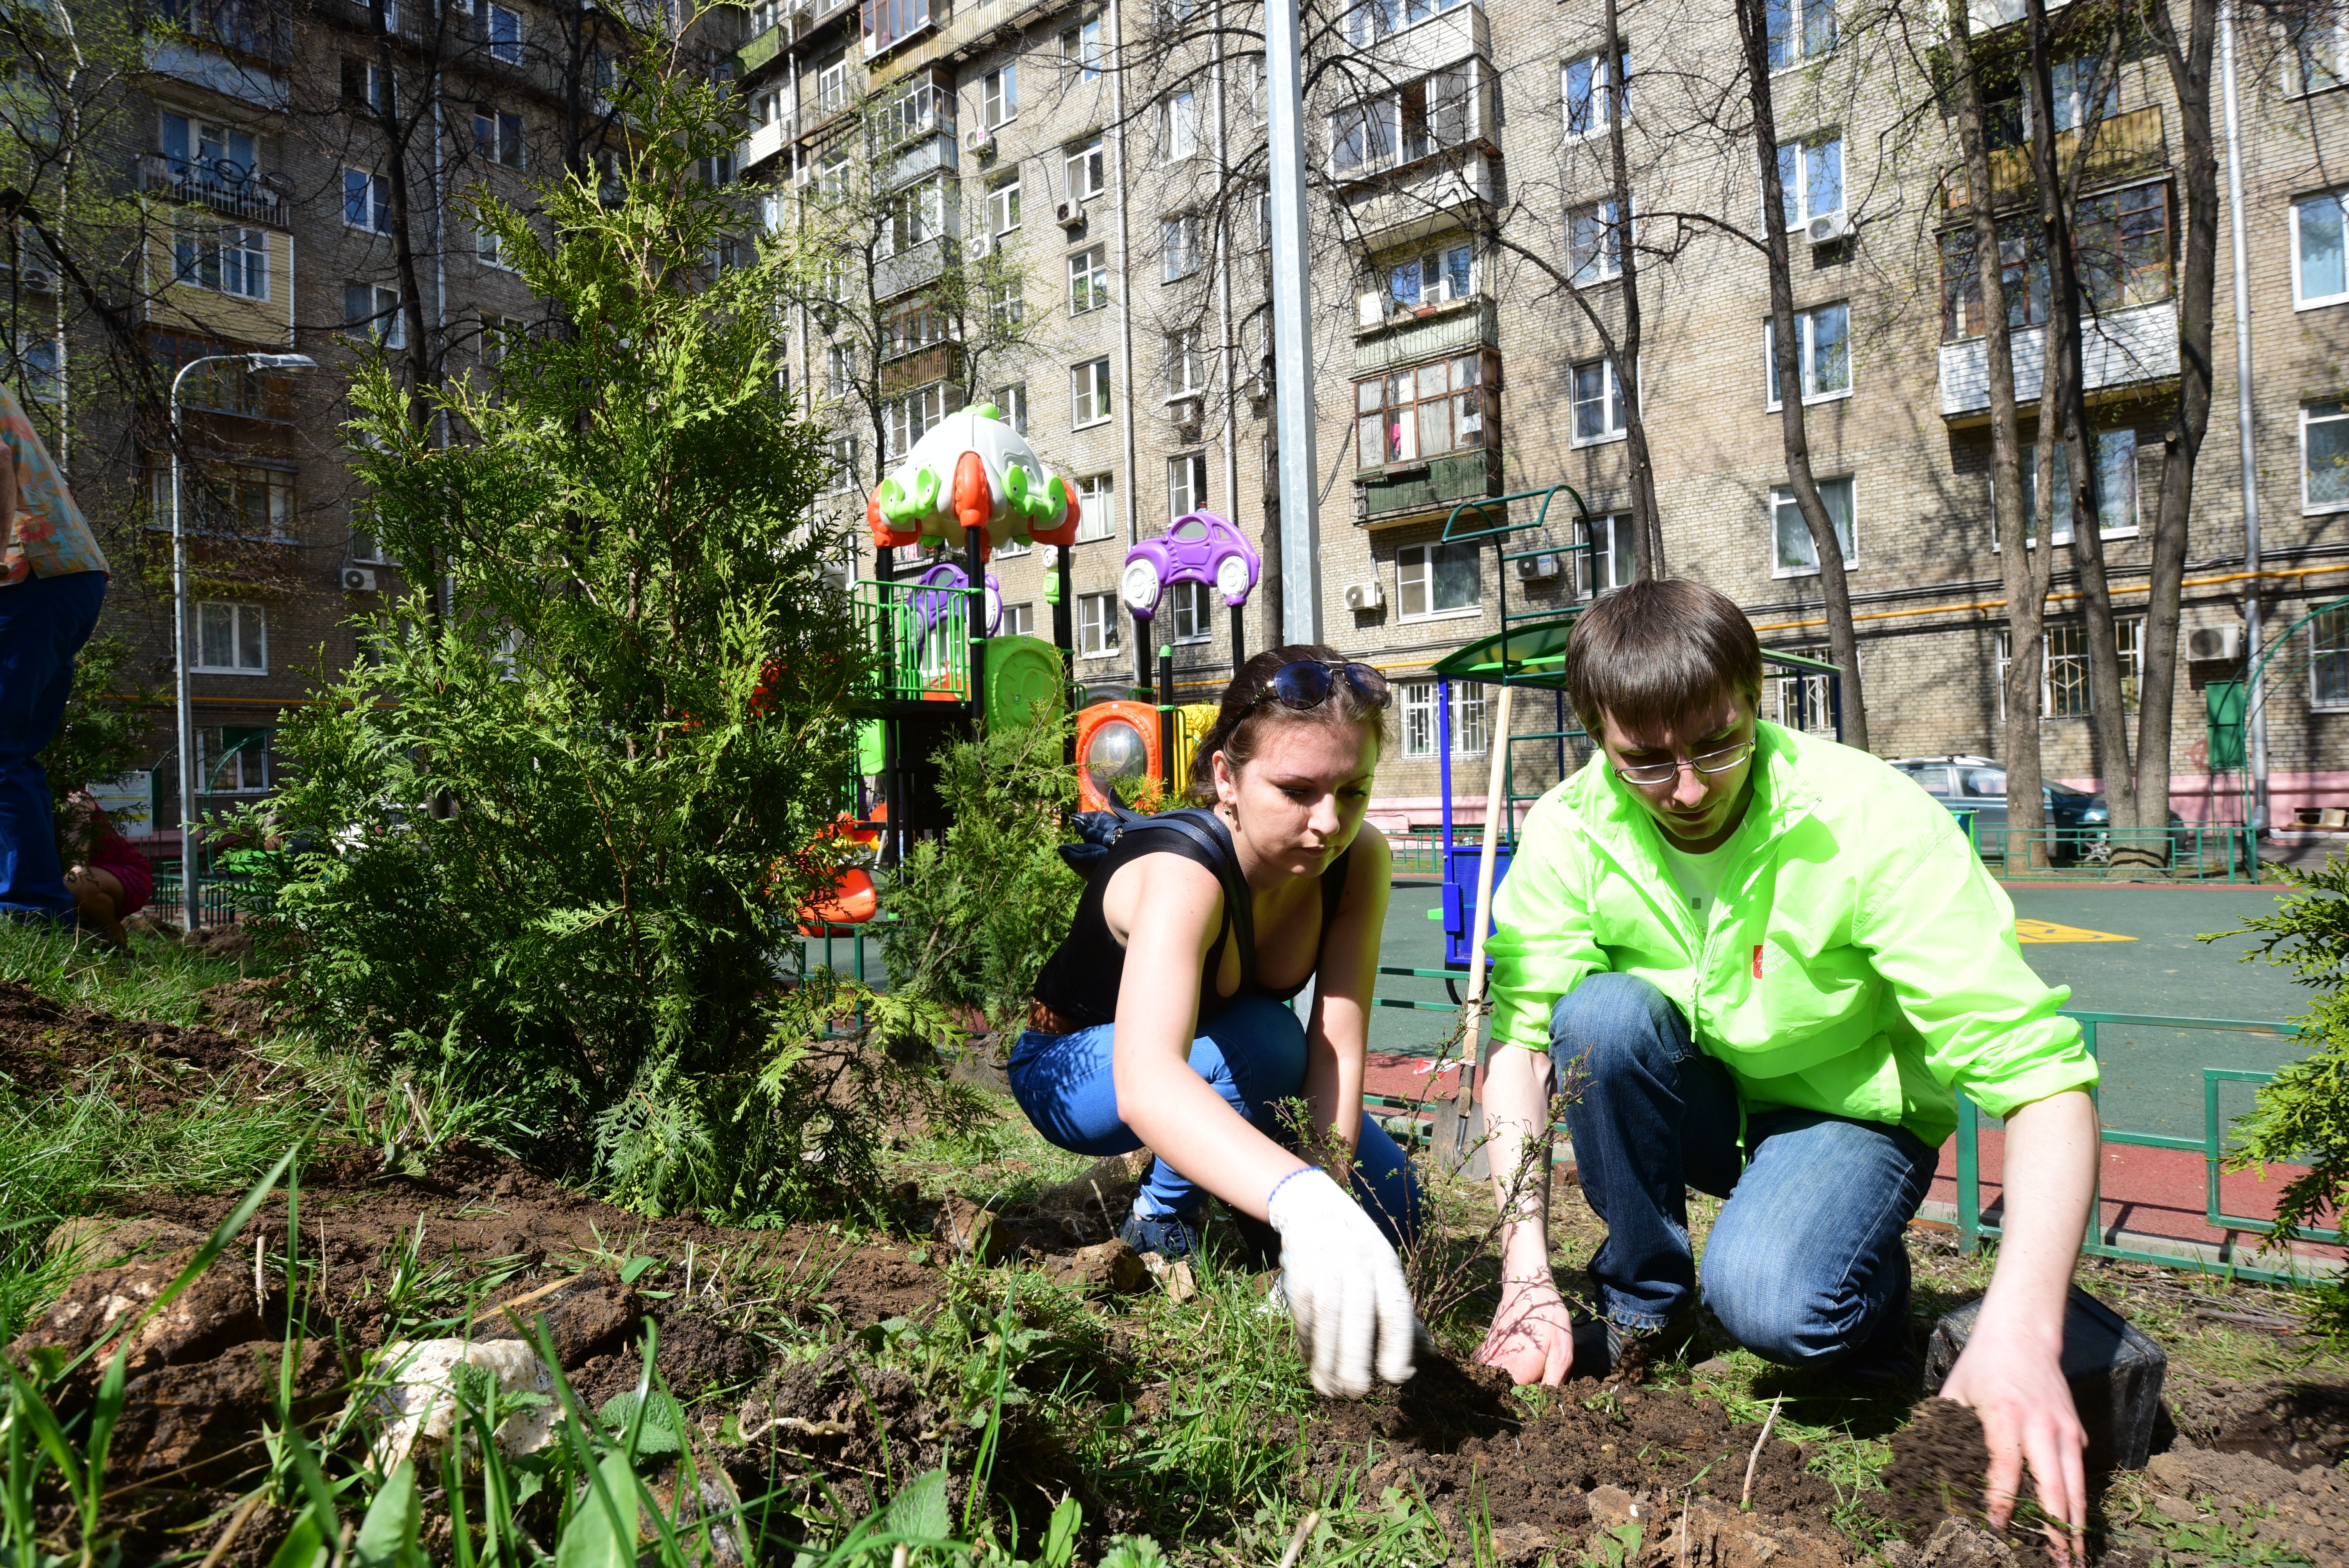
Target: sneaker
[
  {"x": 1171, "y": 1236},
  {"x": 1605, "y": 1349}
]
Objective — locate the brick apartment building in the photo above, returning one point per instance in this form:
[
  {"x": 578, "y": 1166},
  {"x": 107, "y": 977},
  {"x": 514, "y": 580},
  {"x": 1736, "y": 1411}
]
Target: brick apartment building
[{"x": 1111, "y": 156}]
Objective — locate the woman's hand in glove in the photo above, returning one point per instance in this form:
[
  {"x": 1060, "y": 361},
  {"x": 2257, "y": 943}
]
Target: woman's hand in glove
[{"x": 1344, "y": 1284}]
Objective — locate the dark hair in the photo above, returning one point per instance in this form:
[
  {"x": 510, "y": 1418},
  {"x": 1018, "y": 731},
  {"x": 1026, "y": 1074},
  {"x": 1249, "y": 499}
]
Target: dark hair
[
  {"x": 1650, "y": 651},
  {"x": 1246, "y": 713}
]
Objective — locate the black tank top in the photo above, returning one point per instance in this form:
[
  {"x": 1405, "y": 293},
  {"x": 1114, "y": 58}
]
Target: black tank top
[{"x": 1080, "y": 980}]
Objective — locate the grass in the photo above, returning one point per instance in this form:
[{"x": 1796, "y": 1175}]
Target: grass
[{"x": 156, "y": 979}]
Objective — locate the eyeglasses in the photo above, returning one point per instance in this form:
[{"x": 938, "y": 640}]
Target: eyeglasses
[
  {"x": 1720, "y": 761},
  {"x": 1307, "y": 685}
]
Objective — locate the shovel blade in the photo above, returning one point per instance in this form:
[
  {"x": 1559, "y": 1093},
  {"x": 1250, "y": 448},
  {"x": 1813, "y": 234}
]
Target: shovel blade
[{"x": 1459, "y": 1140}]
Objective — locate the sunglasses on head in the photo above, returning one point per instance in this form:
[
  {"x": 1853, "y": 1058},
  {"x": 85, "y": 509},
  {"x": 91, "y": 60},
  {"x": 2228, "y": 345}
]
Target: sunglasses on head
[{"x": 1307, "y": 685}]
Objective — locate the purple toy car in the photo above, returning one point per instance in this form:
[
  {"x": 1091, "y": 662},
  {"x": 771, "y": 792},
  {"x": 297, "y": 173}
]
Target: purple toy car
[
  {"x": 932, "y": 607},
  {"x": 1200, "y": 548}
]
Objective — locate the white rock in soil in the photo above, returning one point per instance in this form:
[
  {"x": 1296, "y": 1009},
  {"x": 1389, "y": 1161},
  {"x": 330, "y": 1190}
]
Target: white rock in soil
[{"x": 416, "y": 1404}]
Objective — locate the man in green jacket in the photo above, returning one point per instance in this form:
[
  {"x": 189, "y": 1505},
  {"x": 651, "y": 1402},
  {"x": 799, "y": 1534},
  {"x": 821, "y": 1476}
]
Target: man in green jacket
[{"x": 1763, "y": 965}]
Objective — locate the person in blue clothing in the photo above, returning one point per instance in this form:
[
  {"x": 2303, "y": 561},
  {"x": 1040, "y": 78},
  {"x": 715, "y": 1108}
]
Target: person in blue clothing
[{"x": 1163, "y": 1020}]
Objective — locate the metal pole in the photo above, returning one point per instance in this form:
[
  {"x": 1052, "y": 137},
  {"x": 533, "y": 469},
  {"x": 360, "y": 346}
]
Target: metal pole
[
  {"x": 1292, "y": 327},
  {"x": 2255, "y": 814},
  {"x": 190, "y": 905},
  {"x": 1240, "y": 638}
]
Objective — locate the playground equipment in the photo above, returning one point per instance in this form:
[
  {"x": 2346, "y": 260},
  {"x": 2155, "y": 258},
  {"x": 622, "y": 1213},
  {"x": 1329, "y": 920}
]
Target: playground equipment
[
  {"x": 2234, "y": 706},
  {"x": 972, "y": 478}
]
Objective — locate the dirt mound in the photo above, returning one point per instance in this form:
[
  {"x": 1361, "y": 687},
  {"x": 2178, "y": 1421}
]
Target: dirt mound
[
  {"x": 2295, "y": 1422},
  {"x": 1939, "y": 1465},
  {"x": 248, "y": 1006},
  {"x": 47, "y": 1047},
  {"x": 2256, "y": 1502},
  {"x": 1595, "y": 1463}
]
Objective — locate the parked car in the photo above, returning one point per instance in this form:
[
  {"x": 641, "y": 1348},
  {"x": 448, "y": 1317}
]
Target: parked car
[{"x": 2079, "y": 822}]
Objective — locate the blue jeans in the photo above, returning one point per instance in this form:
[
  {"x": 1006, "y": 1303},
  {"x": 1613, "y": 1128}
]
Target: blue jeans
[
  {"x": 44, "y": 622},
  {"x": 1252, "y": 1053},
  {"x": 1805, "y": 1264}
]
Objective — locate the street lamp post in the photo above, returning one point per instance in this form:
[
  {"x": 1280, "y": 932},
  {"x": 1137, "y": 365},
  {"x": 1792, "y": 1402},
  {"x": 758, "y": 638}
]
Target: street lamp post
[{"x": 190, "y": 910}]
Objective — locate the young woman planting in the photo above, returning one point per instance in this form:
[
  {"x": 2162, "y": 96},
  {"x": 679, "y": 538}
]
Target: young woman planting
[{"x": 1163, "y": 1019}]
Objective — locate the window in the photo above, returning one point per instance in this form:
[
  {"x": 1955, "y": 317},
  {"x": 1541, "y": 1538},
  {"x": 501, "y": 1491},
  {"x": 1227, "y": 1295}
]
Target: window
[
  {"x": 1614, "y": 554},
  {"x": 998, "y": 96},
  {"x": 489, "y": 250},
  {"x": 915, "y": 107},
  {"x": 35, "y": 368},
  {"x": 832, "y": 85},
  {"x": 1822, "y": 346},
  {"x": 501, "y": 336},
  {"x": 1421, "y": 734},
  {"x": 199, "y": 152},
  {"x": 1186, "y": 484},
  {"x": 240, "y": 500},
  {"x": 916, "y": 217},
  {"x": 1088, "y": 279},
  {"x": 373, "y": 312},
  {"x": 1799, "y": 30},
  {"x": 1019, "y": 620},
  {"x": 1594, "y": 240},
  {"x": 1252, "y": 88},
  {"x": 1374, "y": 19},
  {"x": 1186, "y": 366},
  {"x": 1012, "y": 402},
  {"x": 2328, "y": 659},
  {"x": 2124, "y": 242},
  {"x": 1097, "y": 625},
  {"x": 2320, "y": 46},
  {"x": 1088, "y": 393},
  {"x": 501, "y": 30},
  {"x": 497, "y": 137},
  {"x": 1178, "y": 124},
  {"x": 2063, "y": 691},
  {"x": 1792, "y": 551},
  {"x": 913, "y": 326},
  {"x": 1409, "y": 415},
  {"x": 908, "y": 418},
  {"x": 1597, "y": 403},
  {"x": 1436, "y": 580},
  {"x": 2324, "y": 456},
  {"x": 366, "y": 550},
  {"x": 1194, "y": 615},
  {"x": 1007, "y": 306},
  {"x": 839, "y": 369},
  {"x": 1433, "y": 278},
  {"x": 847, "y": 462},
  {"x": 1592, "y": 95},
  {"x": 1082, "y": 163},
  {"x": 1080, "y": 48},
  {"x": 2320, "y": 262},
  {"x": 232, "y": 639},
  {"x": 231, "y": 259},
  {"x": 366, "y": 200},
  {"x": 1181, "y": 240},
  {"x": 234, "y": 759},
  {"x": 1095, "y": 492},
  {"x": 2128, "y": 644},
  {"x": 2116, "y": 487},
  {"x": 1418, "y": 119},
  {"x": 1003, "y": 203},
  {"x": 2073, "y": 82},
  {"x": 1810, "y": 174}
]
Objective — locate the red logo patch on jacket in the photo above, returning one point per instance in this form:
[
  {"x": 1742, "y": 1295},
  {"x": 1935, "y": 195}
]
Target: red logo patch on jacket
[{"x": 1757, "y": 961}]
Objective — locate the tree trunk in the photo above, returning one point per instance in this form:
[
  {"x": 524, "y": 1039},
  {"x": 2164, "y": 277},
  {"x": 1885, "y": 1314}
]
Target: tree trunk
[
  {"x": 2022, "y": 568},
  {"x": 1842, "y": 641},
  {"x": 2198, "y": 175},
  {"x": 1647, "y": 527},
  {"x": 423, "y": 362},
  {"x": 2062, "y": 397}
]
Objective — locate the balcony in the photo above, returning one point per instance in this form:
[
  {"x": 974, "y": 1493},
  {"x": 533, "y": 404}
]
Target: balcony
[
  {"x": 1411, "y": 495},
  {"x": 1429, "y": 333},
  {"x": 2125, "y": 144},
  {"x": 221, "y": 185},
  {"x": 758, "y": 52},
  {"x": 200, "y": 65},
  {"x": 909, "y": 269},
  {"x": 932, "y": 154},
  {"x": 2119, "y": 349},
  {"x": 1439, "y": 192},
  {"x": 763, "y": 143},
  {"x": 1409, "y": 42}
]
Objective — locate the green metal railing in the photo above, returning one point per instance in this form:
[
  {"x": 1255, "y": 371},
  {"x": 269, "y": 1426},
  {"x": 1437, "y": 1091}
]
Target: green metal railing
[
  {"x": 1419, "y": 851},
  {"x": 2195, "y": 852},
  {"x": 2211, "y": 1145},
  {"x": 220, "y": 897},
  {"x": 920, "y": 637}
]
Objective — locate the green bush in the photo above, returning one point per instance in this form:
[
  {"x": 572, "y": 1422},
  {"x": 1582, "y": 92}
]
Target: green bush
[
  {"x": 980, "y": 909},
  {"x": 544, "y": 844},
  {"x": 2304, "y": 1115}
]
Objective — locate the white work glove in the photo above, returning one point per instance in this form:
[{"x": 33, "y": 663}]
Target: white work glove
[{"x": 1344, "y": 1284}]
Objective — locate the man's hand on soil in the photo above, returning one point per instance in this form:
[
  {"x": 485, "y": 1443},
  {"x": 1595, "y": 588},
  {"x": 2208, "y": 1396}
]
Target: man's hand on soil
[
  {"x": 2017, "y": 1388},
  {"x": 1344, "y": 1284},
  {"x": 1531, "y": 1339}
]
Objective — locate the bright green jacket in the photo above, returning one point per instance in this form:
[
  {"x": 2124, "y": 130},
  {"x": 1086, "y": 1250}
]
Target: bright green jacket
[{"x": 1859, "y": 960}]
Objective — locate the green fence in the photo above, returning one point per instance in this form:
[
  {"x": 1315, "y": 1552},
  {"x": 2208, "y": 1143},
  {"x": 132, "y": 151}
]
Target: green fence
[
  {"x": 1418, "y": 853},
  {"x": 920, "y": 638},
  {"x": 222, "y": 899},
  {"x": 2224, "y": 853},
  {"x": 2213, "y": 1145}
]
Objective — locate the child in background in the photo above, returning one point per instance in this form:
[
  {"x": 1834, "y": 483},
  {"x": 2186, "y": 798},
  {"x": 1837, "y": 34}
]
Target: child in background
[{"x": 109, "y": 880}]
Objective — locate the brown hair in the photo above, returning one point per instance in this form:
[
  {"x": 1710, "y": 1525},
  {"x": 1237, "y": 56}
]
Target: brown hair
[
  {"x": 1650, "y": 651},
  {"x": 1247, "y": 712}
]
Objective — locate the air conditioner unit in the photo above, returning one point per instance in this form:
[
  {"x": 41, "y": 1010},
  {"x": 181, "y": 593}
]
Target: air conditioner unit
[
  {"x": 2211, "y": 643},
  {"x": 359, "y": 579},
  {"x": 1184, "y": 410},
  {"x": 1828, "y": 227},
  {"x": 1537, "y": 568},
  {"x": 37, "y": 280},
  {"x": 980, "y": 141},
  {"x": 1365, "y": 595},
  {"x": 1069, "y": 214},
  {"x": 978, "y": 246}
]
